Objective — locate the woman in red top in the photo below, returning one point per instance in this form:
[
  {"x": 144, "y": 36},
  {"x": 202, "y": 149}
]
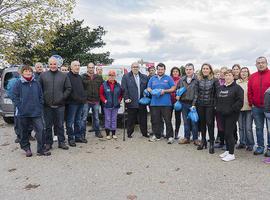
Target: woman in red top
[
  {"x": 176, "y": 75},
  {"x": 111, "y": 96}
]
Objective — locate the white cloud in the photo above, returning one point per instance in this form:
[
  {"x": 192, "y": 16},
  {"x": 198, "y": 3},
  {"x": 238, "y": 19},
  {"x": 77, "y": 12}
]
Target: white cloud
[{"x": 175, "y": 32}]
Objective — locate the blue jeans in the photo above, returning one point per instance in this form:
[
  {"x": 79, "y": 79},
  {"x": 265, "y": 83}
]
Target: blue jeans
[
  {"x": 259, "y": 118},
  {"x": 74, "y": 115},
  {"x": 188, "y": 124},
  {"x": 245, "y": 128},
  {"x": 95, "y": 117},
  {"x": 54, "y": 117}
]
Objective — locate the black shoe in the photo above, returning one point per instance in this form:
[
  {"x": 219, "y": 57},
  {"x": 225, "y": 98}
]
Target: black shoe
[
  {"x": 17, "y": 140},
  {"x": 81, "y": 140},
  {"x": 44, "y": 153},
  {"x": 211, "y": 148},
  {"x": 31, "y": 138},
  {"x": 63, "y": 146},
  {"x": 47, "y": 147},
  {"x": 147, "y": 136},
  {"x": 99, "y": 135},
  {"x": 202, "y": 145},
  {"x": 129, "y": 136},
  {"x": 72, "y": 143},
  {"x": 241, "y": 146}
]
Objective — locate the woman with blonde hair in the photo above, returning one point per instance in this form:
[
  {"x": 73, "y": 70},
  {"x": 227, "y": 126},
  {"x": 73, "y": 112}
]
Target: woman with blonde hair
[
  {"x": 207, "y": 89},
  {"x": 245, "y": 118}
]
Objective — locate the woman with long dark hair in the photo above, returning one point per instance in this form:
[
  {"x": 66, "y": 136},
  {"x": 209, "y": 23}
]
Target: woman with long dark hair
[
  {"x": 207, "y": 88},
  {"x": 176, "y": 75}
]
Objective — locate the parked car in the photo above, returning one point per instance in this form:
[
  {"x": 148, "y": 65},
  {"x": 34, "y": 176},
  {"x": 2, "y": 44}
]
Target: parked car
[{"x": 6, "y": 106}]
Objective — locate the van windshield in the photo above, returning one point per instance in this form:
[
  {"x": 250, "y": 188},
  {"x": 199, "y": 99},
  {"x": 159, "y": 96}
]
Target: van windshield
[
  {"x": 119, "y": 73},
  {"x": 8, "y": 76}
]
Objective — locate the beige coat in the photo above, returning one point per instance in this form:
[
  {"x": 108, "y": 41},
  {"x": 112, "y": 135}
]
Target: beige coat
[{"x": 244, "y": 86}]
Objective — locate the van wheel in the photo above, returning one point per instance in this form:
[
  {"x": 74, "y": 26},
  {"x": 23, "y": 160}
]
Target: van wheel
[{"x": 9, "y": 120}]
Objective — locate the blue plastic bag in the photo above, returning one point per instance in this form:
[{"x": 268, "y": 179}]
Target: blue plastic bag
[
  {"x": 156, "y": 92},
  {"x": 180, "y": 91},
  {"x": 193, "y": 115},
  {"x": 144, "y": 101},
  {"x": 146, "y": 93},
  {"x": 177, "y": 106}
]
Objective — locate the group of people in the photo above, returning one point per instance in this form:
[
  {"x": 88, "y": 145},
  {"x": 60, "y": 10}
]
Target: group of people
[{"x": 44, "y": 100}]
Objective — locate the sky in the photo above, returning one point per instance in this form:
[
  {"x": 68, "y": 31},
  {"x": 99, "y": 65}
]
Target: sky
[{"x": 177, "y": 32}]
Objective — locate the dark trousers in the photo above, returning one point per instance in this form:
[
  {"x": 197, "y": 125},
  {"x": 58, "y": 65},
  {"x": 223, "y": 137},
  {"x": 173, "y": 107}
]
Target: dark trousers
[
  {"x": 54, "y": 116},
  {"x": 229, "y": 122},
  {"x": 134, "y": 114},
  {"x": 207, "y": 115},
  {"x": 157, "y": 114},
  {"x": 37, "y": 124},
  {"x": 177, "y": 115}
]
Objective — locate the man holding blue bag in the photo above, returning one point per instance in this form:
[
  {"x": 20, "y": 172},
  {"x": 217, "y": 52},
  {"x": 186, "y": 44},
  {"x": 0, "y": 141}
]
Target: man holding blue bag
[
  {"x": 188, "y": 100},
  {"x": 160, "y": 86}
]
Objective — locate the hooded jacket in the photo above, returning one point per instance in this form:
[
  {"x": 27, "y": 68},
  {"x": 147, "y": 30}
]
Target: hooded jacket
[{"x": 28, "y": 98}]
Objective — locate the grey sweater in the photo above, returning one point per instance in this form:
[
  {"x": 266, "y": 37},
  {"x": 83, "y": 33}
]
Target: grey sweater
[{"x": 56, "y": 87}]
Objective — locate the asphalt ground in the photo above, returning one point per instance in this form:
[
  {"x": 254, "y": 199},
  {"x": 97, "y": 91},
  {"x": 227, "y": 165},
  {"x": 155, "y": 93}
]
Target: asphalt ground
[{"x": 134, "y": 169}]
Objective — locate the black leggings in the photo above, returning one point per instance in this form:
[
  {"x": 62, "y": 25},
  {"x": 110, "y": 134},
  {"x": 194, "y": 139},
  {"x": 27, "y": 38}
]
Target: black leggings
[
  {"x": 229, "y": 122},
  {"x": 177, "y": 115},
  {"x": 207, "y": 116}
]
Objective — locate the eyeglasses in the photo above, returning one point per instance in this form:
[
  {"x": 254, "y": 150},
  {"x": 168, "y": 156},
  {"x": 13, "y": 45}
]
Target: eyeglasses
[
  {"x": 135, "y": 66},
  {"x": 111, "y": 75}
]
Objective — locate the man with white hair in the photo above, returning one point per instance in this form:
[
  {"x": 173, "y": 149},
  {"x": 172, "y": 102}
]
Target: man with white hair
[
  {"x": 56, "y": 88},
  {"x": 75, "y": 103},
  {"x": 38, "y": 70},
  {"x": 134, "y": 83}
]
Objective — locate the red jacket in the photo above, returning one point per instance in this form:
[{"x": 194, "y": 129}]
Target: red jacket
[{"x": 258, "y": 83}]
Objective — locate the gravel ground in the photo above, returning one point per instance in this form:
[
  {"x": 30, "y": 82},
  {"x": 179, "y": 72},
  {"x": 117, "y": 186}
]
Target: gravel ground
[{"x": 134, "y": 169}]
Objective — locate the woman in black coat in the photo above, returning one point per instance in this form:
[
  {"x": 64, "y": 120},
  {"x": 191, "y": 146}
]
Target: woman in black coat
[
  {"x": 230, "y": 99},
  {"x": 207, "y": 88}
]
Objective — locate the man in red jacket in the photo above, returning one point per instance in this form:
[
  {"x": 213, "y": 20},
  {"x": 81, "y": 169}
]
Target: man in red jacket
[{"x": 258, "y": 83}]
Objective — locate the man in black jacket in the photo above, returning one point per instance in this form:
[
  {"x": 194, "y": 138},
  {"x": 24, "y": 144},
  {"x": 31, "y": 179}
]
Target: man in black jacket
[
  {"x": 75, "y": 102},
  {"x": 134, "y": 83},
  {"x": 56, "y": 89}
]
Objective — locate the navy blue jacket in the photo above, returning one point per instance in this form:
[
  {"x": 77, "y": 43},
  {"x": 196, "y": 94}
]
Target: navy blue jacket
[
  {"x": 131, "y": 90},
  {"x": 112, "y": 96},
  {"x": 28, "y": 98}
]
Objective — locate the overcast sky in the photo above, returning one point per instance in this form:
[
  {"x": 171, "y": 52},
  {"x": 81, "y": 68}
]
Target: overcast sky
[{"x": 175, "y": 32}]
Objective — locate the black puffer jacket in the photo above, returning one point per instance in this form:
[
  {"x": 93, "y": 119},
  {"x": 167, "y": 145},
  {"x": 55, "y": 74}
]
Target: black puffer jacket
[{"x": 207, "y": 90}]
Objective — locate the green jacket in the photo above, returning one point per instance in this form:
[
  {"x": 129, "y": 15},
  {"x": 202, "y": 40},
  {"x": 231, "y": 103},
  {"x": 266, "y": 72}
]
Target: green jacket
[{"x": 92, "y": 86}]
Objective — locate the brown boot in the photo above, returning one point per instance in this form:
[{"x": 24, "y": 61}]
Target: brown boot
[{"x": 184, "y": 141}]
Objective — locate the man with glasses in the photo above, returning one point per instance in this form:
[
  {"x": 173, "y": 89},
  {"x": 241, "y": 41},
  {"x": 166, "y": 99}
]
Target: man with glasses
[
  {"x": 133, "y": 84},
  {"x": 258, "y": 83},
  {"x": 92, "y": 83}
]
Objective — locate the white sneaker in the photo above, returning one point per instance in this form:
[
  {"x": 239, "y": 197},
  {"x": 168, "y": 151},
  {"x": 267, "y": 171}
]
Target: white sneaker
[
  {"x": 224, "y": 154},
  {"x": 108, "y": 137},
  {"x": 229, "y": 157},
  {"x": 55, "y": 138},
  {"x": 152, "y": 139},
  {"x": 114, "y": 137},
  {"x": 170, "y": 140}
]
